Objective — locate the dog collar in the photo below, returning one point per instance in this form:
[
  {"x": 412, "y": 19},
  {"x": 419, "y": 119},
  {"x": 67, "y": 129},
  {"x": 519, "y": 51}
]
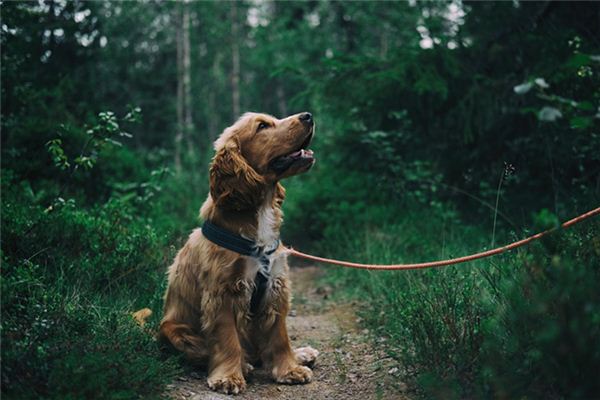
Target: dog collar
[{"x": 230, "y": 241}]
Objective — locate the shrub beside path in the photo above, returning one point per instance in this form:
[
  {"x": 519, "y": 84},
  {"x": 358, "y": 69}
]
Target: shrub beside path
[{"x": 348, "y": 367}]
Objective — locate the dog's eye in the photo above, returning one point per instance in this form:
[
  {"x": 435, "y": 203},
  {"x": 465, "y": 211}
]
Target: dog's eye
[{"x": 261, "y": 126}]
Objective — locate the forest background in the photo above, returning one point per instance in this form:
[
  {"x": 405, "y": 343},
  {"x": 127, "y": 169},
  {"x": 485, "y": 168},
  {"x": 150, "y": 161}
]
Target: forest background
[{"x": 442, "y": 128}]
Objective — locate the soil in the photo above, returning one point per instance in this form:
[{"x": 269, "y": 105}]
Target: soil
[{"x": 348, "y": 366}]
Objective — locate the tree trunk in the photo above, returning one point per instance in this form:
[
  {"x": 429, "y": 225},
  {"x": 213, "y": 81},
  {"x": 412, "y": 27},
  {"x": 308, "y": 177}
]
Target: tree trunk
[
  {"x": 180, "y": 89},
  {"x": 213, "y": 116},
  {"x": 188, "y": 128},
  {"x": 281, "y": 104},
  {"x": 235, "y": 61}
]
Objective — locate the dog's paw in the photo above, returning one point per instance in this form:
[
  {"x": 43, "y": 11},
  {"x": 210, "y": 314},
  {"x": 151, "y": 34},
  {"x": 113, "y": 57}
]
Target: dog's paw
[
  {"x": 232, "y": 384},
  {"x": 306, "y": 356},
  {"x": 293, "y": 375}
]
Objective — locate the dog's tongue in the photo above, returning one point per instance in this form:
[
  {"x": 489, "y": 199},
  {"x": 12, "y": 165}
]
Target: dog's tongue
[{"x": 301, "y": 153}]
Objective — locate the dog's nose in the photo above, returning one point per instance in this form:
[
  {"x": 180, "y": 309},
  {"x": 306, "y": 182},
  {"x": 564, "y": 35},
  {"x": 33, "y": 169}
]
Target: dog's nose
[{"x": 306, "y": 117}]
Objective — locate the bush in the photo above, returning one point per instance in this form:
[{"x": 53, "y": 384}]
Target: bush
[
  {"x": 522, "y": 324},
  {"x": 70, "y": 279},
  {"x": 541, "y": 336},
  {"x": 84, "y": 245}
]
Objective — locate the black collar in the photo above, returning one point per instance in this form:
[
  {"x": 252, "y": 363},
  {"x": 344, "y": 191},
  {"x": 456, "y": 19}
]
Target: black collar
[{"x": 233, "y": 242}]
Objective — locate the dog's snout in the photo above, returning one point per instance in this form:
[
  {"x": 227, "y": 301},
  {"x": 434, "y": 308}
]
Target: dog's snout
[{"x": 306, "y": 117}]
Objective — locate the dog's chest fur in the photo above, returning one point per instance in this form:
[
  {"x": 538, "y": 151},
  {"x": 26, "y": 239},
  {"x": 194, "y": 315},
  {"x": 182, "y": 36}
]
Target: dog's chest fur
[
  {"x": 267, "y": 231},
  {"x": 267, "y": 235}
]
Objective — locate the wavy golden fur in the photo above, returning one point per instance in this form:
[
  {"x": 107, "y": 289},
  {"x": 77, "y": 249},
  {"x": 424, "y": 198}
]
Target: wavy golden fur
[{"x": 206, "y": 312}]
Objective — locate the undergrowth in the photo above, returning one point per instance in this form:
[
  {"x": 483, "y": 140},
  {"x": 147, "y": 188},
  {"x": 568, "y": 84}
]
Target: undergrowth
[
  {"x": 77, "y": 262},
  {"x": 520, "y": 325}
]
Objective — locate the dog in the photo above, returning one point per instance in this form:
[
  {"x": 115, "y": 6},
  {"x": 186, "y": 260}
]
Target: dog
[{"x": 228, "y": 291}]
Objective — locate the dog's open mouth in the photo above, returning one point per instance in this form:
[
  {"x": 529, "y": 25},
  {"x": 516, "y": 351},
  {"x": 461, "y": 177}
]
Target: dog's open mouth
[
  {"x": 303, "y": 152},
  {"x": 300, "y": 157}
]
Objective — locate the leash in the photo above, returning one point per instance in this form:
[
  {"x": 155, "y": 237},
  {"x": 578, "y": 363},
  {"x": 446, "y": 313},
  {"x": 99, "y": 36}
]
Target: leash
[{"x": 441, "y": 263}]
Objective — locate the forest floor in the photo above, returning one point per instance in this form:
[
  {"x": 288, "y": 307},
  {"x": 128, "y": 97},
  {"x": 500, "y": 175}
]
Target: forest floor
[{"x": 348, "y": 366}]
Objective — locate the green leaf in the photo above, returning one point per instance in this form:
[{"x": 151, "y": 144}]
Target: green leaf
[
  {"x": 85, "y": 162},
  {"x": 545, "y": 219},
  {"x": 114, "y": 142},
  {"x": 578, "y": 60},
  {"x": 529, "y": 110},
  {"x": 585, "y": 105},
  {"x": 581, "y": 122}
]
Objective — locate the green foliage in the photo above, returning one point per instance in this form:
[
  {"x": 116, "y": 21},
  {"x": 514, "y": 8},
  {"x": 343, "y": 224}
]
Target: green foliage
[
  {"x": 495, "y": 328},
  {"x": 544, "y": 320},
  {"x": 420, "y": 106},
  {"x": 70, "y": 278},
  {"x": 72, "y": 274},
  {"x": 54, "y": 147}
]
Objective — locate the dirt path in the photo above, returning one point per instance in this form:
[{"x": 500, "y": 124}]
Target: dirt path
[{"x": 347, "y": 368}]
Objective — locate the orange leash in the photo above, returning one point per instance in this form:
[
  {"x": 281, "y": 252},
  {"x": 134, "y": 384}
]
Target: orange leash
[{"x": 442, "y": 263}]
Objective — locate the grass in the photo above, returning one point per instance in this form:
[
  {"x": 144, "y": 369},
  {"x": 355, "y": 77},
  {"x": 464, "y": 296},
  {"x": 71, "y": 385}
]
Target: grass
[
  {"x": 68, "y": 287},
  {"x": 502, "y": 327}
]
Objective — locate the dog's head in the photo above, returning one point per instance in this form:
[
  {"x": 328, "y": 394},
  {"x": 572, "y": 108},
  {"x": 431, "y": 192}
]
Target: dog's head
[{"x": 257, "y": 151}]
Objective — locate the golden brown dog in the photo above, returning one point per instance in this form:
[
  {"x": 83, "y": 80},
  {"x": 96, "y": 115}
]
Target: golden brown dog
[{"x": 207, "y": 312}]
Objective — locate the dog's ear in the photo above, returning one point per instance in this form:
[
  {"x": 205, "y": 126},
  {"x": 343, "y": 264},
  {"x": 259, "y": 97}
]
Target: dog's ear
[{"x": 234, "y": 184}]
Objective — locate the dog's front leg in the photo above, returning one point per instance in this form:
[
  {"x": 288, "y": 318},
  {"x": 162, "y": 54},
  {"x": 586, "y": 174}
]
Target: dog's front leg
[
  {"x": 276, "y": 348},
  {"x": 225, "y": 369}
]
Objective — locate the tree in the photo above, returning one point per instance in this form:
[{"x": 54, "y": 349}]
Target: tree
[{"x": 235, "y": 61}]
